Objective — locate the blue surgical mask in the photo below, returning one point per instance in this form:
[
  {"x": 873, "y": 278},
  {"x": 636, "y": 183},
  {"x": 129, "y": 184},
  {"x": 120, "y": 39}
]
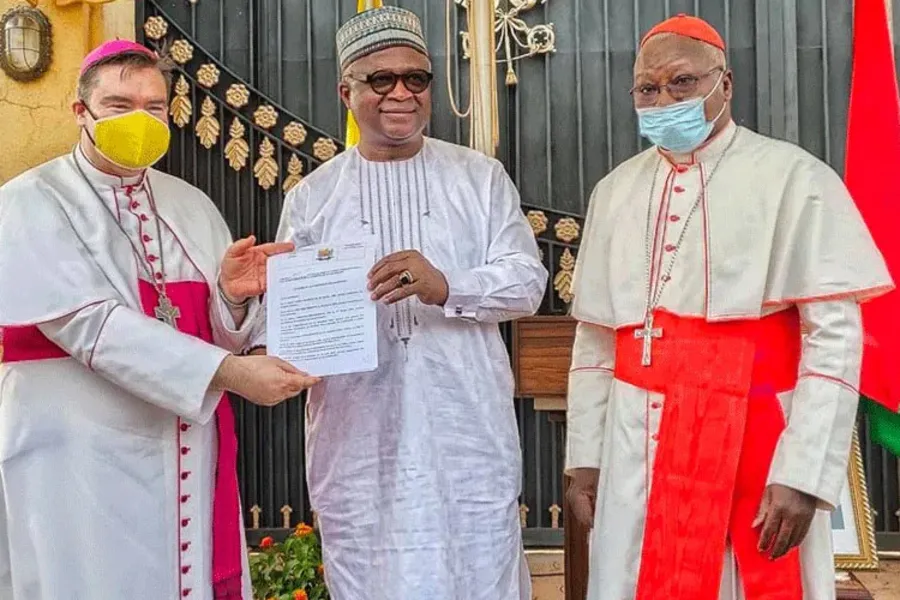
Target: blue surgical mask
[{"x": 680, "y": 127}]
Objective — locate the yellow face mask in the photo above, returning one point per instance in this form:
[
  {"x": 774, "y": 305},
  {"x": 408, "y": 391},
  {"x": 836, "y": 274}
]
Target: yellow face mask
[{"x": 135, "y": 140}]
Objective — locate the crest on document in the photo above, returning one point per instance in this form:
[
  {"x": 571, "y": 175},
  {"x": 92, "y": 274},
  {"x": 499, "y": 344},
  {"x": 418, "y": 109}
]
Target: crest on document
[{"x": 325, "y": 254}]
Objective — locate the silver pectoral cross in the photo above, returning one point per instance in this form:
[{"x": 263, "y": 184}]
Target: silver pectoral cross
[
  {"x": 647, "y": 334},
  {"x": 167, "y": 312}
]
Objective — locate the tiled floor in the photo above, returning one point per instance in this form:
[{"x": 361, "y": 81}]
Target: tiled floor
[
  {"x": 547, "y": 575},
  {"x": 884, "y": 584}
]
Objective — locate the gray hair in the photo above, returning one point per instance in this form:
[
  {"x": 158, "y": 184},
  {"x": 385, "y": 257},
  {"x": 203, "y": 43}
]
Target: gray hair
[{"x": 714, "y": 56}]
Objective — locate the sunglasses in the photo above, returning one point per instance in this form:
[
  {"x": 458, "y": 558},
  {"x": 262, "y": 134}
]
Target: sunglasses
[{"x": 384, "y": 82}]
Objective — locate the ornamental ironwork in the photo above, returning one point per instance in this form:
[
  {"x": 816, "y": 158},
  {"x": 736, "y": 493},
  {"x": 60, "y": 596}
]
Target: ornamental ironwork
[{"x": 516, "y": 39}]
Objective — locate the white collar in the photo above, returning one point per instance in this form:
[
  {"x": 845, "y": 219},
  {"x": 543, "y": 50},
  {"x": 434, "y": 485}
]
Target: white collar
[{"x": 99, "y": 178}]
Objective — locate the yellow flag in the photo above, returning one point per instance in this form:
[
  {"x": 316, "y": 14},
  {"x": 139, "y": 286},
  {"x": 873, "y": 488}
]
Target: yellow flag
[{"x": 352, "y": 137}]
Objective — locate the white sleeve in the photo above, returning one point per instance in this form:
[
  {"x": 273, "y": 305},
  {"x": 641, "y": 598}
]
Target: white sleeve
[
  {"x": 590, "y": 380},
  {"x": 225, "y": 334},
  {"x": 143, "y": 356},
  {"x": 224, "y": 330},
  {"x": 291, "y": 228},
  {"x": 814, "y": 449},
  {"x": 512, "y": 281}
]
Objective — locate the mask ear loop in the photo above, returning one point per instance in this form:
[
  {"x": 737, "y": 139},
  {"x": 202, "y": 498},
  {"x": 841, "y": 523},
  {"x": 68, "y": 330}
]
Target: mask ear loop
[
  {"x": 710, "y": 94},
  {"x": 706, "y": 97},
  {"x": 88, "y": 110}
]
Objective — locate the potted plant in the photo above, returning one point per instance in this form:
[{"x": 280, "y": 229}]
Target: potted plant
[{"x": 290, "y": 570}]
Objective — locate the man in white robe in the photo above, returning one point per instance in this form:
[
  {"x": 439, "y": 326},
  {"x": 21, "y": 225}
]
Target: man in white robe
[
  {"x": 414, "y": 469},
  {"x": 707, "y": 436},
  {"x": 117, "y": 443}
]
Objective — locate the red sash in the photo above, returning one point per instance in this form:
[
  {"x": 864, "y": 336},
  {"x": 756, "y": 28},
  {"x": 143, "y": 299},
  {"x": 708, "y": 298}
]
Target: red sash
[
  {"x": 720, "y": 382},
  {"x": 28, "y": 343},
  {"x": 192, "y": 299}
]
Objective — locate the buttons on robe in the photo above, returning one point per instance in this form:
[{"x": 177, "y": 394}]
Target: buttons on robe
[
  {"x": 653, "y": 419},
  {"x": 186, "y": 506},
  {"x": 672, "y": 234},
  {"x": 151, "y": 254}
]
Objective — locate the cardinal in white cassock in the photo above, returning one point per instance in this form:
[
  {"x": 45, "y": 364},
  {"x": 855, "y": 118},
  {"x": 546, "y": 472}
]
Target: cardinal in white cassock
[
  {"x": 122, "y": 324},
  {"x": 713, "y": 389}
]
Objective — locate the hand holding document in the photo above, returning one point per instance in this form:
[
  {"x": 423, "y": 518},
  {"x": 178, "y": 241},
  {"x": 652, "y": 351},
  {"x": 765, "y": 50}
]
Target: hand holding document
[{"x": 320, "y": 316}]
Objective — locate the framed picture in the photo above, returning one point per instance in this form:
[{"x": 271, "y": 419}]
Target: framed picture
[{"x": 852, "y": 522}]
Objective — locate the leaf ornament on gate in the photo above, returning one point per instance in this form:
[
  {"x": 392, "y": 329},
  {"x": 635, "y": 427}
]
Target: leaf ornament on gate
[
  {"x": 208, "y": 126},
  {"x": 266, "y": 169},
  {"x": 181, "y": 107},
  {"x": 237, "y": 150}
]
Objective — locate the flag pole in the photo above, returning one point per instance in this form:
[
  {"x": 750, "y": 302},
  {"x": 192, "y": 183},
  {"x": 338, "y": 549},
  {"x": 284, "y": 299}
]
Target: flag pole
[{"x": 351, "y": 136}]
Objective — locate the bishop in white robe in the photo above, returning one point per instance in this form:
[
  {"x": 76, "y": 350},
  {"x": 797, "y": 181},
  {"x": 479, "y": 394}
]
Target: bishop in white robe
[
  {"x": 108, "y": 441},
  {"x": 117, "y": 443},
  {"x": 718, "y": 346},
  {"x": 415, "y": 469}
]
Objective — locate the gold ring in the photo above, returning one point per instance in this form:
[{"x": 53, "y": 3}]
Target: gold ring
[{"x": 406, "y": 279}]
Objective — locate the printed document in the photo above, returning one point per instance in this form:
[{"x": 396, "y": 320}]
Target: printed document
[{"x": 320, "y": 315}]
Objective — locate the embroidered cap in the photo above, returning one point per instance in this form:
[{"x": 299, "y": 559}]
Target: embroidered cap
[
  {"x": 688, "y": 26},
  {"x": 114, "y": 48},
  {"x": 377, "y": 29}
]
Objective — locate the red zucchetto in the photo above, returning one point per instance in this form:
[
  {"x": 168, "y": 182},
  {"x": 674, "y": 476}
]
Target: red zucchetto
[{"x": 688, "y": 26}]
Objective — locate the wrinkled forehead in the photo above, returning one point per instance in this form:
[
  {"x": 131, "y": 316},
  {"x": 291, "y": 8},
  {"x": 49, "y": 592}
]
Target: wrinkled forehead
[
  {"x": 671, "y": 52},
  {"x": 398, "y": 59}
]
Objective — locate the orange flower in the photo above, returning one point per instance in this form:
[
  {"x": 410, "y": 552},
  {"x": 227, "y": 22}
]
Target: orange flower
[
  {"x": 321, "y": 570},
  {"x": 302, "y": 530},
  {"x": 266, "y": 542},
  {"x": 300, "y": 595}
]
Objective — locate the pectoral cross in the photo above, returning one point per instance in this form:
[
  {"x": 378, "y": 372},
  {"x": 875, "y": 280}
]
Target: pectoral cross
[
  {"x": 167, "y": 312},
  {"x": 647, "y": 334}
]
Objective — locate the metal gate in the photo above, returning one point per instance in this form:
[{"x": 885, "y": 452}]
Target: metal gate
[{"x": 255, "y": 109}]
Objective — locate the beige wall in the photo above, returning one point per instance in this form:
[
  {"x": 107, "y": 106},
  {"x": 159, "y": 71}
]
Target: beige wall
[{"x": 36, "y": 116}]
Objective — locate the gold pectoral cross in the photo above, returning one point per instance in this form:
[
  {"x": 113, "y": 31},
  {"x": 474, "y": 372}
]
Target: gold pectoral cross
[
  {"x": 167, "y": 312},
  {"x": 647, "y": 334}
]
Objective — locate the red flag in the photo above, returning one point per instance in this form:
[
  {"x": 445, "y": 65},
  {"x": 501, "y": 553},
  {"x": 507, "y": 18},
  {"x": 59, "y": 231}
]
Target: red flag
[{"x": 873, "y": 177}]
